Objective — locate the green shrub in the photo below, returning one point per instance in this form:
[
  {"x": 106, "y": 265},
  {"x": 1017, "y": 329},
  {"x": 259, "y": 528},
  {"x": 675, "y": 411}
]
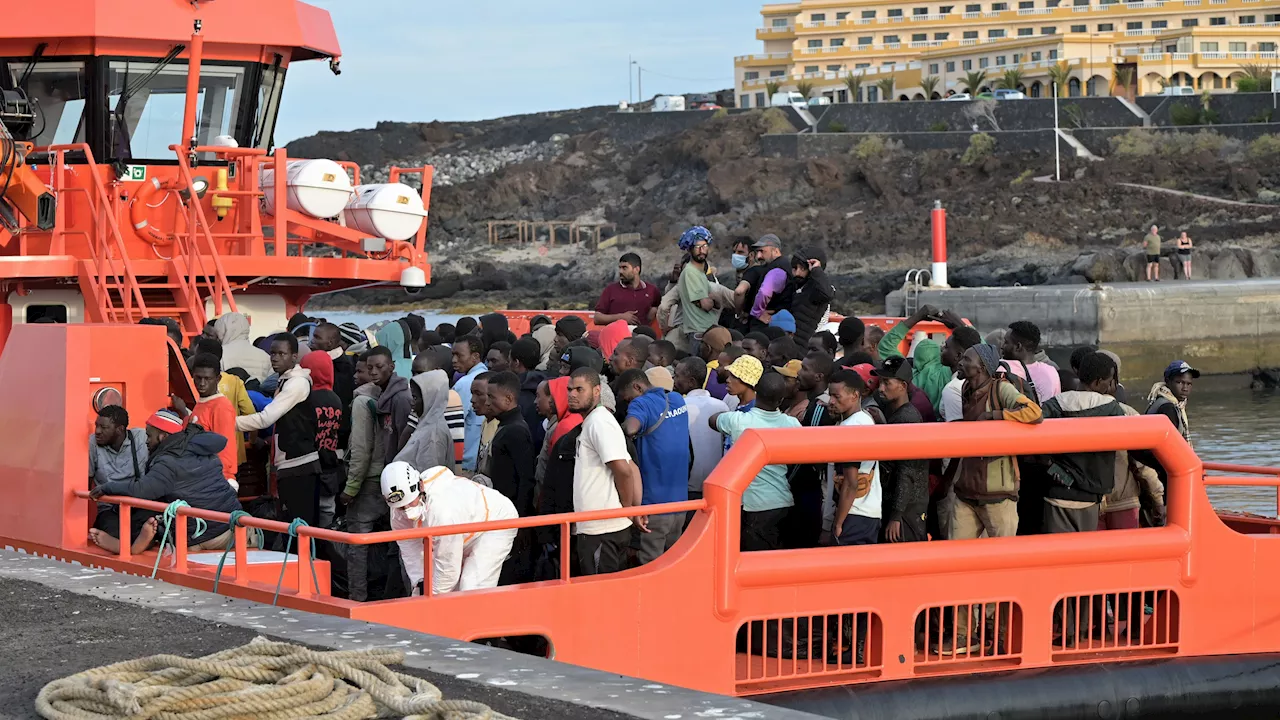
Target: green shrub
[
  {"x": 1137, "y": 142},
  {"x": 1183, "y": 114},
  {"x": 1248, "y": 84},
  {"x": 1265, "y": 146},
  {"x": 1263, "y": 116},
  {"x": 1025, "y": 176},
  {"x": 720, "y": 113},
  {"x": 981, "y": 145},
  {"x": 939, "y": 127},
  {"x": 1075, "y": 115},
  {"x": 871, "y": 146},
  {"x": 836, "y": 127}
]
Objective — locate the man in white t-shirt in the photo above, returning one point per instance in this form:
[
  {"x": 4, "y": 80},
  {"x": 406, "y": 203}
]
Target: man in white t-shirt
[
  {"x": 708, "y": 444},
  {"x": 604, "y": 478},
  {"x": 857, "y": 485}
]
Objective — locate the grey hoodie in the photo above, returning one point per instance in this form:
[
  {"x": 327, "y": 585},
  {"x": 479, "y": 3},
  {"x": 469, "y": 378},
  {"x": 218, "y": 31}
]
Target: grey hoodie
[
  {"x": 232, "y": 330},
  {"x": 366, "y": 455},
  {"x": 431, "y": 444},
  {"x": 394, "y": 406}
]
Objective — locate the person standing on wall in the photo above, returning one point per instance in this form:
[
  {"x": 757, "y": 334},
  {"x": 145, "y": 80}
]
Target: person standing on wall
[{"x": 1151, "y": 243}]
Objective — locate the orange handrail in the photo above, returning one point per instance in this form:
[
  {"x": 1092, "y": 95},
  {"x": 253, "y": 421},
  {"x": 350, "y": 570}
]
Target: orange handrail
[
  {"x": 1220, "y": 481},
  {"x": 216, "y": 282}
]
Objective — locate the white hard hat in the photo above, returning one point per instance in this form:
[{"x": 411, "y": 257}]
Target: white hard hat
[{"x": 400, "y": 484}]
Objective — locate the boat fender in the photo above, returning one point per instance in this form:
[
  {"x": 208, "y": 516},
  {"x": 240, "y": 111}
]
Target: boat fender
[{"x": 138, "y": 208}]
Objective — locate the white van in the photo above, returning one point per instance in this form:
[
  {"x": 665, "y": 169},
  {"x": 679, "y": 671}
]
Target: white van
[
  {"x": 793, "y": 99},
  {"x": 668, "y": 103},
  {"x": 1178, "y": 90},
  {"x": 819, "y": 101}
]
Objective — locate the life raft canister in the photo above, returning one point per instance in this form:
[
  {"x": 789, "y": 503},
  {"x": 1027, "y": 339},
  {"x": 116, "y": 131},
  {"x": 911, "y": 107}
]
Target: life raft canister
[{"x": 138, "y": 208}]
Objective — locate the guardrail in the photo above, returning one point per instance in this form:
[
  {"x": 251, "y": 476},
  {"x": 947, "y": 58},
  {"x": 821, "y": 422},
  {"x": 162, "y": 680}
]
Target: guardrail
[{"x": 1270, "y": 477}]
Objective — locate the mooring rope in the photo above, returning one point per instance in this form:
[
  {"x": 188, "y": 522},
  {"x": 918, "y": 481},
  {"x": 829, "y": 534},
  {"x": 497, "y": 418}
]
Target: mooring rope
[{"x": 265, "y": 680}]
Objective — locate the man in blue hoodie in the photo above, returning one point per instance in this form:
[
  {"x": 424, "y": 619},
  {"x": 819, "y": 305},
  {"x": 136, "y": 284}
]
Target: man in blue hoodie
[{"x": 182, "y": 464}]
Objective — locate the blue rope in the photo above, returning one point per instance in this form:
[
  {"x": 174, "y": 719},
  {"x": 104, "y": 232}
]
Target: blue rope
[
  {"x": 293, "y": 533},
  {"x": 170, "y": 513},
  {"x": 231, "y": 544}
]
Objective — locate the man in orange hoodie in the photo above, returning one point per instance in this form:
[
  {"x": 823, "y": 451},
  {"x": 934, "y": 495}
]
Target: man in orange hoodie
[{"x": 214, "y": 412}]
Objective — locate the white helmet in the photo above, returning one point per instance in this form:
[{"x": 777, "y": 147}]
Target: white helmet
[{"x": 400, "y": 484}]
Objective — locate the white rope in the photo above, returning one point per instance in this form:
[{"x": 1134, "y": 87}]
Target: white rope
[{"x": 264, "y": 680}]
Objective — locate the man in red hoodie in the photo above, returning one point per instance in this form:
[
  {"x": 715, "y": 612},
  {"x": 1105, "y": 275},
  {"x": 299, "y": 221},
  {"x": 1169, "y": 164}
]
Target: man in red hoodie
[
  {"x": 214, "y": 412},
  {"x": 328, "y": 408}
]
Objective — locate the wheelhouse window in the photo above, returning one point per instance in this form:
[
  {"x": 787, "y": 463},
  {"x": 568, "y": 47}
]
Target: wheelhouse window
[
  {"x": 146, "y": 100},
  {"x": 56, "y": 89}
]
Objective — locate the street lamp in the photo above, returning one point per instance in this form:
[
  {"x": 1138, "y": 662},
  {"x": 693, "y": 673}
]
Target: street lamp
[{"x": 630, "y": 63}]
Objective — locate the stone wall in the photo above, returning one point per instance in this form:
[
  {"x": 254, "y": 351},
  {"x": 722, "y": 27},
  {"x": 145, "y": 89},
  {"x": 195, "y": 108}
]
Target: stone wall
[
  {"x": 1232, "y": 109},
  {"x": 1098, "y": 140},
  {"x": 1029, "y": 114}
]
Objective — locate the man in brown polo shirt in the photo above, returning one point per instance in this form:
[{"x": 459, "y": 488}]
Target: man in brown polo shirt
[{"x": 630, "y": 299}]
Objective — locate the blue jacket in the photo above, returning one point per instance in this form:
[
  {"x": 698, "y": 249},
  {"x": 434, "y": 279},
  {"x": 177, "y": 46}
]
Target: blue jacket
[{"x": 185, "y": 466}]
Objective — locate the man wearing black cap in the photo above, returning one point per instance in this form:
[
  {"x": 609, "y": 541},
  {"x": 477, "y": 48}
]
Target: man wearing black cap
[
  {"x": 1168, "y": 398},
  {"x": 568, "y": 329},
  {"x": 769, "y": 276},
  {"x": 905, "y": 482},
  {"x": 812, "y": 298}
]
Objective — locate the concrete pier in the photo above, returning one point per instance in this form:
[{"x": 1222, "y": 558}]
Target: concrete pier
[{"x": 1220, "y": 326}]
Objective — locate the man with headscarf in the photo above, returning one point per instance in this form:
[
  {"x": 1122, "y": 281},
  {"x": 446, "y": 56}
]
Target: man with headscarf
[
  {"x": 232, "y": 330},
  {"x": 431, "y": 443},
  {"x": 328, "y": 408},
  {"x": 397, "y": 338},
  {"x": 697, "y": 307}
]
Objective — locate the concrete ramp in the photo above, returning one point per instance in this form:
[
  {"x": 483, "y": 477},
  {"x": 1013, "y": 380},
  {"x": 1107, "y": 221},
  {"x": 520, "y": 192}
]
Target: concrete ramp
[
  {"x": 1133, "y": 108},
  {"x": 1081, "y": 150}
]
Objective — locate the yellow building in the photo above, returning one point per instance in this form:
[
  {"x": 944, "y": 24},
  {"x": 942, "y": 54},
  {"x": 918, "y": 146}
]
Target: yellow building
[{"x": 931, "y": 47}]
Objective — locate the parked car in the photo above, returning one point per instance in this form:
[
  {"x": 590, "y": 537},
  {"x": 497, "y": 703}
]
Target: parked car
[
  {"x": 1008, "y": 95},
  {"x": 1178, "y": 90},
  {"x": 783, "y": 99},
  {"x": 705, "y": 106},
  {"x": 957, "y": 97},
  {"x": 668, "y": 103},
  {"x": 820, "y": 100}
]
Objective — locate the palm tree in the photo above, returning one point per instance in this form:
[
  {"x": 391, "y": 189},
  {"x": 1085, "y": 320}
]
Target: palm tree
[
  {"x": 974, "y": 79},
  {"x": 1123, "y": 80},
  {"x": 805, "y": 88},
  {"x": 886, "y": 87},
  {"x": 1012, "y": 79},
  {"x": 854, "y": 83},
  {"x": 1061, "y": 75},
  {"x": 929, "y": 84},
  {"x": 771, "y": 87}
]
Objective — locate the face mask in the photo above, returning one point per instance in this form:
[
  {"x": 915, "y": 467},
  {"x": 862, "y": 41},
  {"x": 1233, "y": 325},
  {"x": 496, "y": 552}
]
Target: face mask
[
  {"x": 739, "y": 262},
  {"x": 414, "y": 512}
]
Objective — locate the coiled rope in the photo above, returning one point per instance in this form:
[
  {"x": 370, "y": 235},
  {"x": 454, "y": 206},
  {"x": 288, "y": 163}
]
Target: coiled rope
[
  {"x": 171, "y": 513},
  {"x": 265, "y": 680}
]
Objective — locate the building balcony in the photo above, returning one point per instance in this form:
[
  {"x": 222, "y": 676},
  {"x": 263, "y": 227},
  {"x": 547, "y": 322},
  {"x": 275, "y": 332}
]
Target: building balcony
[
  {"x": 776, "y": 33},
  {"x": 762, "y": 59}
]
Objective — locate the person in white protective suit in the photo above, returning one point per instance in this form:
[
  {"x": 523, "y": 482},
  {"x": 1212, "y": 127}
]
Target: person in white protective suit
[{"x": 437, "y": 497}]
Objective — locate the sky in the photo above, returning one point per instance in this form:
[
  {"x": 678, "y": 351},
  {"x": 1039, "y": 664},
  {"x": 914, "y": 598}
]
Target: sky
[{"x": 423, "y": 60}]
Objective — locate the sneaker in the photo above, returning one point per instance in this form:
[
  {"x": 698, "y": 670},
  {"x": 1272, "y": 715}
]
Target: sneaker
[{"x": 948, "y": 651}]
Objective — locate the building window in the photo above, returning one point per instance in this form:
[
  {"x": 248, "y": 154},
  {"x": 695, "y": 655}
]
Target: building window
[
  {"x": 753, "y": 75},
  {"x": 1208, "y": 47},
  {"x": 835, "y": 68},
  {"x": 933, "y": 68},
  {"x": 1271, "y": 18},
  {"x": 1048, "y": 31},
  {"x": 972, "y": 8},
  {"x": 868, "y": 14},
  {"x": 815, "y": 43},
  {"x": 1190, "y": 22},
  {"x": 1237, "y": 47},
  {"x": 941, "y": 35},
  {"x": 1035, "y": 56},
  {"x": 1079, "y": 28},
  {"x": 777, "y": 73},
  {"x": 1026, "y": 4},
  {"x": 1218, "y": 21},
  {"x": 1159, "y": 24},
  {"x": 1137, "y": 25},
  {"x": 811, "y": 68},
  {"x": 946, "y": 9},
  {"x": 1053, "y": 54},
  {"x": 983, "y": 62},
  {"x": 920, "y": 11},
  {"x": 818, "y": 17},
  {"x": 1052, "y": 3},
  {"x": 873, "y": 93},
  {"x": 864, "y": 41},
  {"x": 780, "y": 22},
  {"x": 890, "y": 39},
  {"x": 966, "y": 64},
  {"x": 999, "y": 7},
  {"x": 1000, "y": 60},
  {"x": 1080, "y": 3},
  {"x": 859, "y": 66},
  {"x": 1026, "y": 32},
  {"x": 951, "y": 66},
  {"x": 1017, "y": 58},
  {"x": 1106, "y": 27},
  {"x": 970, "y": 34},
  {"x": 919, "y": 37},
  {"x": 1266, "y": 47},
  {"x": 1248, "y": 19},
  {"x": 896, "y": 12},
  {"x": 837, "y": 42},
  {"x": 744, "y": 102},
  {"x": 842, "y": 16},
  {"x": 997, "y": 33}
]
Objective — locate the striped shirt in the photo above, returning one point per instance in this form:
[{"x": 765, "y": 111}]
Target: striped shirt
[{"x": 454, "y": 417}]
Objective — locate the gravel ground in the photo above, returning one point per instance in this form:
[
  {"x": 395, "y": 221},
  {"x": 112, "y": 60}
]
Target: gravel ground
[{"x": 49, "y": 633}]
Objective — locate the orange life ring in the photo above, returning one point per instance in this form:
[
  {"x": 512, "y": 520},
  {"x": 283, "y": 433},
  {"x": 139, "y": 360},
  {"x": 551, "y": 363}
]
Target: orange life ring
[{"x": 138, "y": 214}]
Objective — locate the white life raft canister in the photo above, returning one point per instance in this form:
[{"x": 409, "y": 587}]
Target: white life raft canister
[
  {"x": 392, "y": 211},
  {"x": 319, "y": 188}
]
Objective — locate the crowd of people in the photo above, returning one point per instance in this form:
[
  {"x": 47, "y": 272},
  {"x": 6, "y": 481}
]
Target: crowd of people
[{"x": 401, "y": 426}]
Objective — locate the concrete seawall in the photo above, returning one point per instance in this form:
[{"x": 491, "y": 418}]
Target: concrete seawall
[{"x": 1218, "y": 326}]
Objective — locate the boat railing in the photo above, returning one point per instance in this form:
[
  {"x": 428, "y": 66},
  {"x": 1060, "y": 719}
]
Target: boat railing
[
  {"x": 203, "y": 263},
  {"x": 1265, "y": 477}
]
